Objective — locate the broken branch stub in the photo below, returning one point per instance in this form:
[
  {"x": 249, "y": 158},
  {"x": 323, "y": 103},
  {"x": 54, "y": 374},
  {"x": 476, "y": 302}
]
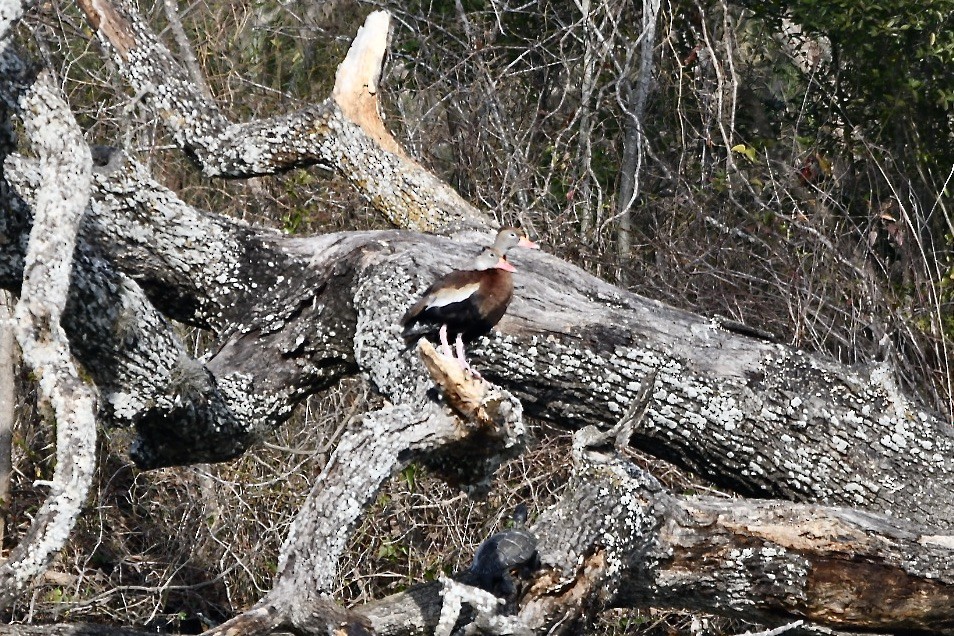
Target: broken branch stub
[
  {"x": 465, "y": 392},
  {"x": 356, "y": 80},
  {"x": 493, "y": 416},
  {"x": 344, "y": 132}
]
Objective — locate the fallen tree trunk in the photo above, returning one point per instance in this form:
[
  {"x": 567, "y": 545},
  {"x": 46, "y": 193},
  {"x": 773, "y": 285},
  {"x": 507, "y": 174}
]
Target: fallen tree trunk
[
  {"x": 619, "y": 539},
  {"x": 292, "y": 316},
  {"x": 295, "y": 315},
  {"x": 759, "y": 418}
]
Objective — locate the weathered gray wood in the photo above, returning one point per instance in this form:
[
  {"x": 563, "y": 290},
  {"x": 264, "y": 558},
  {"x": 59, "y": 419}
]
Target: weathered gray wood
[
  {"x": 365, "y": 263},
  {"x": 409, "y": 612},
  {"x": 769, "y": 562},
  {"x": 143, "y": 371},
  {"x": 9, "y": 13},
  {"x": 809, "y": 413},
  {"x": 332, "y": 133},
  {"x": 618, "y": 539},
  {"x": 760, "y": 418},
  {"x": 63, "y": 193},
  {"x": 486, "y": 427}
]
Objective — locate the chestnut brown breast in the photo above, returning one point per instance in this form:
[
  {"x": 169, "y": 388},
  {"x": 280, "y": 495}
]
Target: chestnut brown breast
[{"x": 469, "y": 302}]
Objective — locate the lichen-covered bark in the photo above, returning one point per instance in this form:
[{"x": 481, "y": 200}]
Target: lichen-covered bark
[
  {"x": 617, "y": 538},
  {"x": 63, "y": 193},
  {"x": 760, "y": 418},
  {"x": 756, "y": 417},
  {"x": 404, "y": 263},
  {"x": 384, "y": 442},
  {"x": 769, "y": 562},
  {"x": 775, "y": 561},
  {"x": 763, "y": 419},
  {"x": 144, "y": 373},
  {"x": 10, "y": 13}
]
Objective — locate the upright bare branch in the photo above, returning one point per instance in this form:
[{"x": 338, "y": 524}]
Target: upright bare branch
[
  {"x": 634, "y": 101},
  {"x": 8, "y": 396},
  {"x": 65, "y": 166},
  {"x": 485, "y": 427}
]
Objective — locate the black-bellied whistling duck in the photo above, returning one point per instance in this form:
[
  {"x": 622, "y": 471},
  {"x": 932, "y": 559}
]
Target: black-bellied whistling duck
[
  {"x": 466, "y": 303},
  {"x": 512, "y": 237}
]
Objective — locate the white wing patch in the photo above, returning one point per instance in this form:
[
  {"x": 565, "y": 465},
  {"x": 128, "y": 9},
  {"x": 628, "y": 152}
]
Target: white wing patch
[{"x": 450, "y": 296}]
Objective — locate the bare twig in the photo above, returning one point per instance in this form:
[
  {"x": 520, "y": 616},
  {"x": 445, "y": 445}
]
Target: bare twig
[
  {"x": 7, "y": 406},
  {"x": 185, "y": 47}
]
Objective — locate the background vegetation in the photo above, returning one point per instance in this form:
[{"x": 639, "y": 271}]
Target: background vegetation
[{"x": 794, "y": 175}]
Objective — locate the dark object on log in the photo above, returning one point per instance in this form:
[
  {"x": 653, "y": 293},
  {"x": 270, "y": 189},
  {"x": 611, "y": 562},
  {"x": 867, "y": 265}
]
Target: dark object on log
[{"x": 503, "y": 555}]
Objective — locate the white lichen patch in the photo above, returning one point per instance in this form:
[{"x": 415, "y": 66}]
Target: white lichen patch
[
  {"x": 196, "y": 246},
  {"x": 771, "y": 569},
  {"x": 379, "y": 349},
  {"x": 125, "y": 406}
]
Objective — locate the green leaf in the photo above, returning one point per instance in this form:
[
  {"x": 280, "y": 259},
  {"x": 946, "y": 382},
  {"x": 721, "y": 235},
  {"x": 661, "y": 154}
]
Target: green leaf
[{"x": 748, "y": 151}]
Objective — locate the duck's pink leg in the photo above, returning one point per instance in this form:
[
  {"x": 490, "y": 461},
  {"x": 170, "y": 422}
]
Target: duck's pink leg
[
  {"x": 445, "y": 346},
  {"x": 459, "y": 343}
]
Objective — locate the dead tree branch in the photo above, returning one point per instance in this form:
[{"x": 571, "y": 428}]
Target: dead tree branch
[
  {"x": 8, "y": 397},
  {"x": 294, "y": 315},
  {"x": 619, "y": 539},
  {"x": 343, "y": 133},
  {"x": 62, "y": 196},
  {"x": 384, "y": 442}
]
